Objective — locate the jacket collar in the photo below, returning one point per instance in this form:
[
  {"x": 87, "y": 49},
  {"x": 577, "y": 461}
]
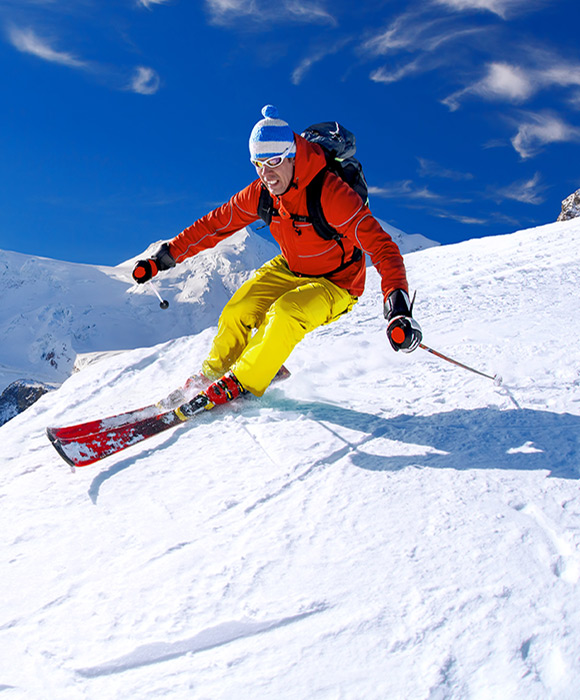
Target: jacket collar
[{"x": 309, "y": 161}]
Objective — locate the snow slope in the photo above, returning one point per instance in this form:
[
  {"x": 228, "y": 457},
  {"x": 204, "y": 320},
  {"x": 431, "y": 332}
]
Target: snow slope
[{"x": 379, "y": 526}]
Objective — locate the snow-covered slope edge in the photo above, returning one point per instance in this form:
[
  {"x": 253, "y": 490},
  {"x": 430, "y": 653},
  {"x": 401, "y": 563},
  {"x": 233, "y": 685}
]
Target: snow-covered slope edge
[
  {"x": 378, "y": 526},
  {"x": 407, "y": 242}
]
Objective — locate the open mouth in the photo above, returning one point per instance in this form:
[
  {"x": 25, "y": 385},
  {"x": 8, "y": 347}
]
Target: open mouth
[{"x": 271, "y": 183}]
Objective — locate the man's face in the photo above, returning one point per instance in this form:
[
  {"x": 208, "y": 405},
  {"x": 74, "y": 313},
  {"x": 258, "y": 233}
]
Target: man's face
[{"x": 278, "y": 179}]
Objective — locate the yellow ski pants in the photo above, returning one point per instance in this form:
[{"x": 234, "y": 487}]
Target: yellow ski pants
[{"x": 281, "y": 308}]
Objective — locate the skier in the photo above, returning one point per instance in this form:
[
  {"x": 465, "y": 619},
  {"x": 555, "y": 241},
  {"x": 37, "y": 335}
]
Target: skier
[{"x": 313, "y": 282}]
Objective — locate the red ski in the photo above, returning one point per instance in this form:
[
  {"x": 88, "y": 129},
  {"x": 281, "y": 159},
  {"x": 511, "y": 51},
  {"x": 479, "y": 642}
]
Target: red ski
[
  {"x": 100, "y": 425},
  {"x": 87, "y": 443},
  {"x": 81, "y": 450}
]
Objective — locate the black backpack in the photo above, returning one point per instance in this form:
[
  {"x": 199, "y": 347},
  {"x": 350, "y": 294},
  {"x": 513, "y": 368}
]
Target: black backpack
[{"x": 339, "y": 145}]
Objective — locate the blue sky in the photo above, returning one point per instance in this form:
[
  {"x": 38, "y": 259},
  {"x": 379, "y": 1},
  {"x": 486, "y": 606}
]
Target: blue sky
[{"x": 124, "y": 121}]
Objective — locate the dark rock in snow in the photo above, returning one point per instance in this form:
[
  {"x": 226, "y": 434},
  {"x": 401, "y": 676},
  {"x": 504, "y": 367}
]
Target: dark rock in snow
[
  {"x": 18, "y": 396},
  {"x": 570, "y": 207}
]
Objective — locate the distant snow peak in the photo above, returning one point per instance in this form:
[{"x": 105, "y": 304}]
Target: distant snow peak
[
  {"x": 407, "y": 242},
  {"x": 570, "y": 207}
]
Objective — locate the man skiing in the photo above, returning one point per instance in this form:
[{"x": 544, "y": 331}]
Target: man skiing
[{"x": 314, "y": 280}]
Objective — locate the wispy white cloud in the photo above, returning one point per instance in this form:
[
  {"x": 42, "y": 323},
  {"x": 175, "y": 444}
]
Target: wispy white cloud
[
  {"x": 461, "y": 218},
  {"x": 315, "y": 57},
  {"x": 266, "y": 12},
  {"x": 403, "y": 189},
  {"x": 144, "y": 81},
  {"x": 537, "y": 130},
  {"x": 304, "y": 66},
  {"x": 309, "y": 12},
  {"x": 401, "y": 33},
  {"x": 421, "y": 197},
  {"x": 413, "y": 31},
  {"x": 431, "y": 39},
  {"x": 28, "y": 41},
  {"x": 429, "y": 168},
  {"x": 502, "y": 81},
  {"x": 447, "y": 42},
  {"x": 574, "y": 100},
  {"x": 150, "y": 3},
  {"x": 527, "y": 191},
  {"x": 502, "y": 8},
  {"x": 393, "y": 75},
  {"x": 516, "y": 83}
]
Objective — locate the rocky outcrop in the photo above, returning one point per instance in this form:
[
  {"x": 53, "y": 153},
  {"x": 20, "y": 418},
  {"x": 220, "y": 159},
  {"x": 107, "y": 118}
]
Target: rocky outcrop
[
  {"x": 18, "y": 396},
  {"x": 570, "y": 207}
]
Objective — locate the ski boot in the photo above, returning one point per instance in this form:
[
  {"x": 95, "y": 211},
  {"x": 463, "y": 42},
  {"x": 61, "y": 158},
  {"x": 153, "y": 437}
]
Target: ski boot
[{"x": 225, "y": 389}]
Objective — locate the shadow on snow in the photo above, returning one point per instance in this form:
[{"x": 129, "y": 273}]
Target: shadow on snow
[{"x": 482, "y": 438}]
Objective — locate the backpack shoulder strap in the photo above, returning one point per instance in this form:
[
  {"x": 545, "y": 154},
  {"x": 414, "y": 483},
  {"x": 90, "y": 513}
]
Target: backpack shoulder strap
[
  {"x": 266, "y": 207},
  {"x": 315, "y": 211},
  {"x": 319, "y": 221}
]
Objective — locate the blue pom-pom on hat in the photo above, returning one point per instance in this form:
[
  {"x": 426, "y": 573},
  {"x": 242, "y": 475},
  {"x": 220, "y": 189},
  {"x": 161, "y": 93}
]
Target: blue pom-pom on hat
[
  {"x": 271, "y": 136},
  {"x": 270, "y": 111}
]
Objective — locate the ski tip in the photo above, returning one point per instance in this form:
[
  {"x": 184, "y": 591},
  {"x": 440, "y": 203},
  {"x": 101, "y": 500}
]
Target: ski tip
[{"x": 59, "y": 448}]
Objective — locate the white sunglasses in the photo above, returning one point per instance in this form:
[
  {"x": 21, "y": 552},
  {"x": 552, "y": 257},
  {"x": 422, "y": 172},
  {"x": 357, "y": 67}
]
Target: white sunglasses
[{"x": 274, "y": 161}]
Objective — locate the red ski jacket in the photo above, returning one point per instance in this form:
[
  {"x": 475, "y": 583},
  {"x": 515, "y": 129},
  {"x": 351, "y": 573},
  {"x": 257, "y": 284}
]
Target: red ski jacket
[{"x": 303, "y": 249}]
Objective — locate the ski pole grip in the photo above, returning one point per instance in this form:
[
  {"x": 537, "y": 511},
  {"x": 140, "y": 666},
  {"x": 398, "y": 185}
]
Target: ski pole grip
[
  {"x": 398, "y": 335},
  {"x": 139, "y": 272},
  {"x": 144, "y": 270}
]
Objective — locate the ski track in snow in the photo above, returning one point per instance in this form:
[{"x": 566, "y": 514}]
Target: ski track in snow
[
  {"x": 207, "y": 639},
  {"x": 378, "y": 526}
]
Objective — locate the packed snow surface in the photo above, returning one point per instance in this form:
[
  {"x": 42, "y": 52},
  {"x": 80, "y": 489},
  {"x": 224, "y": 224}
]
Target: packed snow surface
[{"x": 379, "y": 526}]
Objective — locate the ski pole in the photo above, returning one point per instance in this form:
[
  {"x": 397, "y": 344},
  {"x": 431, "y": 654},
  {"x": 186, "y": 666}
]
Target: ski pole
[
  {"x": 496, "y": 378},
  {"x": 162, "y": 303}
]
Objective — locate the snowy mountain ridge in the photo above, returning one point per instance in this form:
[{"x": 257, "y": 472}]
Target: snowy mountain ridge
[
  {"x": 55, "y": 310},
  {"x": 378, "y": 526}
]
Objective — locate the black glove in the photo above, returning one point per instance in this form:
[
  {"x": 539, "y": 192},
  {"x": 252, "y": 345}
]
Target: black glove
[
  {"x": 403, "y": 332},
  {"x": 145, "y": 270}
]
